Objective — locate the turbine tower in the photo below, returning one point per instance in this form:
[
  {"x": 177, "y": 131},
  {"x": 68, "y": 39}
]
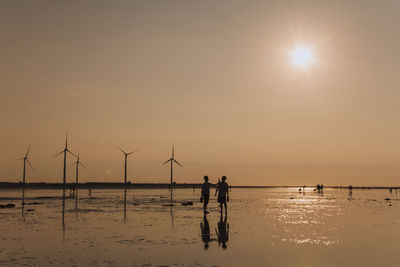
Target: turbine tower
[
  {"x": 26, "y": 160},
  {"x": 77, "y": 163},
  {"x": 172, "y": 160},
  {"x": 126, "y": 161},
  {"x": 65, "y": 150}
]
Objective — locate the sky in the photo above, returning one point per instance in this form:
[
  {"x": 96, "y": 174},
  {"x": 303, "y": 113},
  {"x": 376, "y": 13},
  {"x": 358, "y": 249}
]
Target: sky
[{"x": 215, "y": 78}]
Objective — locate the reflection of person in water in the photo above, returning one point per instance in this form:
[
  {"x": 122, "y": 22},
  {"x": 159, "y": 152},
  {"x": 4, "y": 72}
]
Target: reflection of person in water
[
  {"x": 223, "y": 231},
  {"x": 205, "y": 232}
]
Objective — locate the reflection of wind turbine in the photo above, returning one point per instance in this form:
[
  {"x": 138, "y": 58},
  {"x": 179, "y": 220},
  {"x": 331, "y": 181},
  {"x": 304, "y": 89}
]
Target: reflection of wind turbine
[
  {"x": 172, "y": 212},
  {"x": 77, "y": 163},
  {"x": 172, "y": 160},
  {"x": 25, "y": 161},
  {"x": 23, "y": 205},
  {"x": 63, "y": 214},
  {"x": 125, "y": 205},
  {"x": 126, "y": 160},
  {"x": 65, "y": 157}
]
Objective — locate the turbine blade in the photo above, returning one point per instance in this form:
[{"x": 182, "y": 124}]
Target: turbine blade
[
  {"x": 178, "y": 163},
  {"x": 27, "y": 160},
  {"x": 69, "y": 151},
  {"x": 173, "y": 151},
  {"x": 58, "y": 154},
  {"x": 167, "y": 161},
  {"x": 82, "y": 165},
  {"x": 20, "y": 158},
  {"x": 121, "y": 150},
  {"x": 27, "y": 152},
  {"x": 132, "y": 152},
  {"x": 66, "y": 139}
]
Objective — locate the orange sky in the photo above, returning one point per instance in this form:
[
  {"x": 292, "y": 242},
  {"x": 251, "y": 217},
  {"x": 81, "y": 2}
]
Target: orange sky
[{"x": 212, "y": 77}]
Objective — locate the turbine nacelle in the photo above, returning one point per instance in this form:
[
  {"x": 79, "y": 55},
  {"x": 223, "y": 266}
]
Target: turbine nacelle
[
  {"x": 172, "y": 160},
  {"x": 126, "y": 162},
  {"x": 127, "y": 154},
  {"x": 78, "y": 162},
  {"x": 65, "y": 150}
]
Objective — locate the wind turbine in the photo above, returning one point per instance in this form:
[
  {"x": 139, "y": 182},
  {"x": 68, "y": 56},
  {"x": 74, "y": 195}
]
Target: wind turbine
[
  {"x": 65, "y": 150},
  {"x": 172, "y": 160},
  {"x": 126, "y": 160},
  {"x": 77, "y": 163},
  {"x": 25, "y": 161}
]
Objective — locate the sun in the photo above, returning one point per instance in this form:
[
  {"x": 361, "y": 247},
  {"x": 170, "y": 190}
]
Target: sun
[{"x": 301, "y": 56}]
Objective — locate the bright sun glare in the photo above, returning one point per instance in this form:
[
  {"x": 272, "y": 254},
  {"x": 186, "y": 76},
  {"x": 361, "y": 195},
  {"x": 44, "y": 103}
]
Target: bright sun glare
[{"x": 301, "y": 56}]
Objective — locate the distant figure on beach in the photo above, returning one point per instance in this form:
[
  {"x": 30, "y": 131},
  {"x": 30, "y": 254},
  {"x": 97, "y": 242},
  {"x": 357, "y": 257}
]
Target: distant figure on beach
[
  {"x": 350, "y": 192},
  {"x": 223, "y": 193},
  {"x": 205, "y": 232},
  {"x": 205, "y": 193},
  {"x": 320, "y": 188},
  {"x": 223, "y": 231},
  {"x": 302, "y": 189}
]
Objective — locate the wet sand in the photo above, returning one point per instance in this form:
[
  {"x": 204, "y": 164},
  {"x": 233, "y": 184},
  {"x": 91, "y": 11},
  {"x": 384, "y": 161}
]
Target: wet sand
[{"x": 276, "y": 227}]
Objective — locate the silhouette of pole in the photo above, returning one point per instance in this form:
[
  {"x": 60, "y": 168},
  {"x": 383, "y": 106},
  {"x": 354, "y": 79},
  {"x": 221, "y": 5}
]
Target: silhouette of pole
[
  {"x": 65, "y": 167},
  {"x": 23, "y": 174},
  {"x": 172, "y": 172},
  {"x": 126, "y": 163},
  {"x": 77, "y": 163},
  {"x": 126, "y": 167},
  {"x": 172, "y": 160},
  {"x": 76, "y": 174},
  {"x": 26, "y": 160},
  {"x": 64, "y": 151}
]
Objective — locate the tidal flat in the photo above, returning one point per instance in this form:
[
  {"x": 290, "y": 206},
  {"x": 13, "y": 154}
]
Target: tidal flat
[{"x": 159, "y": 227}]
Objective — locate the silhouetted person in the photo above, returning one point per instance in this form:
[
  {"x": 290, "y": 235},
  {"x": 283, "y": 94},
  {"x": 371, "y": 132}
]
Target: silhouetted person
[
  {"x": 350, "y": 191},
  {"x": 320, "y": 188},
  {"x": 205, "y": 193},
  {"x": 205, "y": 232},
  {"x": 223, "y": 231},
  {"x": 223, "y": 193}
]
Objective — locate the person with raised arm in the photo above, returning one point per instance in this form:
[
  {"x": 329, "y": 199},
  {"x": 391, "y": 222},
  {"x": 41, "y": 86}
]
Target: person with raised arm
[{"x": 205, "y": 193}]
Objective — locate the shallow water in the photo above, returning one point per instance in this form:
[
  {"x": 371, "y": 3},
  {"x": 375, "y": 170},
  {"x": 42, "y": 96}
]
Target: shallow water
[{"x": 276, "y": 227}]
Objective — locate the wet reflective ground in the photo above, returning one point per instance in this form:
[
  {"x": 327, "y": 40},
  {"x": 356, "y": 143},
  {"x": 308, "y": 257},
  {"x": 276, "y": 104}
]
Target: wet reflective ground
[{"x": 275, "y": 227}]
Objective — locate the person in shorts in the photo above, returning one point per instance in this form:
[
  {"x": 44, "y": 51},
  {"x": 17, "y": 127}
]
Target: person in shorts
[{"x": 223, "y": 193}]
